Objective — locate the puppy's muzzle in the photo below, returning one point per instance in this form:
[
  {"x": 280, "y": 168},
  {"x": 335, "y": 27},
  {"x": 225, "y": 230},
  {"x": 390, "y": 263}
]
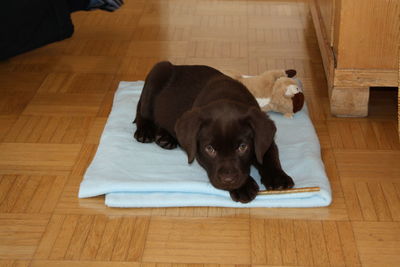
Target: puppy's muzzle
[{"x": 229, "y": 179}]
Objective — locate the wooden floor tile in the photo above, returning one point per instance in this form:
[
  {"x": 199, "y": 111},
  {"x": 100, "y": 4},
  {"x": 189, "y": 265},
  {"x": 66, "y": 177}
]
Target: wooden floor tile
[
  {"x": 323, "y": 134},
  {"x": 198, "y": 240},
  {"x": 6, "y": 122},
  {"x": 216, "y": 23},
  {"x": 182, "y": 20},
  {"x": 53, "y": 130},
  {"x": 79, "y": 83},
  {"x": 291, "y": 51},
  {"x": 372, "y": 201},
  {"x": 97, "y": 47},
  {"x": 379, "y": 165},
  {"x": 13, "y": 103},
  {"x": 20, "y": 234},
  {"x": 21, "y": 81},
  {"x": 378, "y": 243},
  {"x": 217, "y": 49},
  {"x": 303, "y": 243},
  {"x": 95, "y": 131},
  {"x": 140, "y": 66},
  {"x": 15, "y": 263},
  {"x": 30, "y": 194},
  {"x": 366, "y": 134},
  {"x": 51, "y": 263},
  {"x": 19, "y": 158},
  {"x": 222, "y": 8},
  {"x": 237, "y": 64},
  {"x": 64, "y": 104},
  {"x": 68, "y": 63},
  {"x": 161, "y": 49},
  {"x": 93, "y": 237},
  {"x": 161, "y": 33}
]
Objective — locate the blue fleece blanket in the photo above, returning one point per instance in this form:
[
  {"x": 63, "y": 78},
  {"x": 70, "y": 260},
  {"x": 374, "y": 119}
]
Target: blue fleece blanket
[{"x": 132, "y": 174}]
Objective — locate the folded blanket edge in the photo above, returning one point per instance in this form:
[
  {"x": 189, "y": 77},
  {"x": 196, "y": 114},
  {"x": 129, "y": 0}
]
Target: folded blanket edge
[{"x": 136, "y": 200}]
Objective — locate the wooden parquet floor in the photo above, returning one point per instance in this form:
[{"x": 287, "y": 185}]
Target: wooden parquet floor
[{"x": 54, "y": 102}]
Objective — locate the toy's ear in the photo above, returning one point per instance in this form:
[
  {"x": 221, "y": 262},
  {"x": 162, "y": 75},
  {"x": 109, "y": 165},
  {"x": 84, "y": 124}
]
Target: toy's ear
[
  {"x": 298, "y": 102},
  {"x": 291, "y": 73}
]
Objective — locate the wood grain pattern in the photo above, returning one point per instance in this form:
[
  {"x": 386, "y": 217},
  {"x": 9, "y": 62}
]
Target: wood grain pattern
[
  {"x": 15, "y": 263},
  {"x": 20, "y": 234},
  {"x": 327, "y": 8},
  {"x": 30, "y": 194},
  {"x": 37, "y": 158},
  {"x": 324, "y": 43},
  {"x": 377, "y": 240},
  {"x": 54, "y": 103},
  {"x": 349, "y": 78},
  {"x": 218, "y": 240},
  {"x": 93, "y": 237},
  {"x": 365, "y": 19}
]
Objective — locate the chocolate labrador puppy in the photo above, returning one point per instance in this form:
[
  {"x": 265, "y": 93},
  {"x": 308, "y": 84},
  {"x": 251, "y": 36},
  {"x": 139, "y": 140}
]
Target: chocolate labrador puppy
[{"x": 216, "y": 120}]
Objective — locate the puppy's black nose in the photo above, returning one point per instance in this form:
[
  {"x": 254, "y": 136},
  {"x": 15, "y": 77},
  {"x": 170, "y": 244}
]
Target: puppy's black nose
[{"x": 227, "y": 178}]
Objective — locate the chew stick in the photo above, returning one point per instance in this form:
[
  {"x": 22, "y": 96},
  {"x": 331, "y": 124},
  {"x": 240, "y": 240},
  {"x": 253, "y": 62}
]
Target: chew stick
[{"x": 289, "y": 191}]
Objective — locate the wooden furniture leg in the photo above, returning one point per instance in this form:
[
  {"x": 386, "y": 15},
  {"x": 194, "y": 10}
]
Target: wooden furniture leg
[{"x": 349, "y": 102}]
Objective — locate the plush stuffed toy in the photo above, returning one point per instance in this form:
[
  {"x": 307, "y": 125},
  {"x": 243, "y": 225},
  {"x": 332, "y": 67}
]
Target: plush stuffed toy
[{"x": 275, "y": 90}]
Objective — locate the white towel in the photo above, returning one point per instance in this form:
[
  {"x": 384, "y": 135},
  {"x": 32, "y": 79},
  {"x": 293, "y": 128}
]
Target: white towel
[{"x": 132, "y": 174}]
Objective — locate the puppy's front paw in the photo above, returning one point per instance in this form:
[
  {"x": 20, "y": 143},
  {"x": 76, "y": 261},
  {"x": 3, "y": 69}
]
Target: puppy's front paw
[
  {"x": 246, "y": 193},
  {"x": 145, "y": 132},
  {"x": 278, "y": 181},
  {"x": 165, "y": 140}
]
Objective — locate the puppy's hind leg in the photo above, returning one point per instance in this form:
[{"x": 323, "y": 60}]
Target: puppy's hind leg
[
  {"x": 155, "y": 82},
  {"x": 145, "y": 128}
]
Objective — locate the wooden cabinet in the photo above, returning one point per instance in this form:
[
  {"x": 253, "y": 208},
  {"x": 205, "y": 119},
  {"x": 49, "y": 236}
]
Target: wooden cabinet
[{"x": 359, "y": 43}]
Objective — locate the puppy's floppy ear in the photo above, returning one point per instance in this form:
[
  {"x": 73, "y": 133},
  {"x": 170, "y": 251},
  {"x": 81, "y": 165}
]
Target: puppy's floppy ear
[
  {"x": 186, "y": 129},
  {"x": 264, "y": 130}
]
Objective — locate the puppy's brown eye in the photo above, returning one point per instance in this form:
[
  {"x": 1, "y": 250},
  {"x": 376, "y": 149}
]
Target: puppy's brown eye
[
  {"x": 242, "y": 148},
  {"x": 210, "y": 150}
]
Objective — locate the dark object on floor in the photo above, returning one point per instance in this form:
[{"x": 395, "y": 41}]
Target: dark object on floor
[
  {"x": 26, "y": 25},
  {"x": 217, "y": 121}
]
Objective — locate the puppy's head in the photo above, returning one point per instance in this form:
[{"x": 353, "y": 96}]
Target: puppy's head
[{"x": 225, "y": 138}]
